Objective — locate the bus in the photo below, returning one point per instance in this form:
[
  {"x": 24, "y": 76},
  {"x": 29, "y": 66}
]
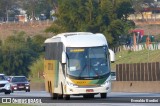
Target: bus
[{"x": 77, "y": 63}]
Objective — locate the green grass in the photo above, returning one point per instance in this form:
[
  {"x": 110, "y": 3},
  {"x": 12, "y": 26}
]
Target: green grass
[
  {"x": 136, "y": 57},
  {"x": 36, "y": 79},
  {"x": 37, "y": 69}
]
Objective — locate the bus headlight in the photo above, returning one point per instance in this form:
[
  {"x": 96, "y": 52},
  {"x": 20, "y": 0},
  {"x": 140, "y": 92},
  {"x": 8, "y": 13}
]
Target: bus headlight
[
  {"x": 71, "y": 84},
  {"x": 106, "y": 83}
]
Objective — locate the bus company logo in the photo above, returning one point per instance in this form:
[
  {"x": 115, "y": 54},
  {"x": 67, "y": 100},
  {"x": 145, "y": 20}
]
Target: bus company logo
[
  {"x": 81, "y": 82},
  {"x": 6, "y": 100}
]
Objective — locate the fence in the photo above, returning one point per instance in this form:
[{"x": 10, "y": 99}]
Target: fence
[
  {"x": 138, "y": 72},
  {"x": 138, "y": 47}
]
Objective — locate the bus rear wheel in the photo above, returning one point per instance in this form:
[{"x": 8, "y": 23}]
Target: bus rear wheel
[
  {"x": 60, "y": 96},
  {"x": 103, "y": 95},
  {"x": 66, "y": 97},
  {"x": 54, "y": 96}
]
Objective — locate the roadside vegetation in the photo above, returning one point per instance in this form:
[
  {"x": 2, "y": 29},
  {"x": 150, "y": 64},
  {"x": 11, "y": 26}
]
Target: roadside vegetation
[
  {"x": 36, "y": 73},
  {"x": 142, "y": 56},
  {"x": 18, "y": 52},
  {"x": 98, "y": 16}
]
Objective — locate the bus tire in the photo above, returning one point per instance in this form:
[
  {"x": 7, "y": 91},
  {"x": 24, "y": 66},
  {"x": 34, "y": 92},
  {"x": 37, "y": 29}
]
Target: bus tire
[
  {"x": 66, "y": 97},
  {"x": 60, "y": 96},
  {"x": 54, "y": 96},
  {"x": 48, "y": 87},
  {"x": 103, "y": 95}
]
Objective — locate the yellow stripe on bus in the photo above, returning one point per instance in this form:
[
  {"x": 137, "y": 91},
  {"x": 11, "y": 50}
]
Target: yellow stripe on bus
[{"x": 84, "y": 82}]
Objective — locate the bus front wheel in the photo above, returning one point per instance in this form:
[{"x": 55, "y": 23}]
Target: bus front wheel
[{"x": 103, "y": 95}]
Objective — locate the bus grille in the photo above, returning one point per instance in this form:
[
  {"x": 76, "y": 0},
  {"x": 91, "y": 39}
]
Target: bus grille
[{"x": 92, "y": 86}]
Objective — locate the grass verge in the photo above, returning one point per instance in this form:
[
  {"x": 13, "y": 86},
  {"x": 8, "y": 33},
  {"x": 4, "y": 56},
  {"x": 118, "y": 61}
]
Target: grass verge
[{"x": 142, "y": 56}]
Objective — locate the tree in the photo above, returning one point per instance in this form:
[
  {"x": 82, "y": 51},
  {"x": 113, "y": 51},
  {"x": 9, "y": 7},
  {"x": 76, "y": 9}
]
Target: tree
[
  {"x": 5, "y": 6},
  {"x": 93, "y": 16},
  {"x": 124, "y": 8},
  {"x": 36, "y": 7},
  {"x": 17, "y": 54},
  {"x": 37, "y": 43},
  {"x": 138, "y": 8},
  {"x": 37, "y": 67},
  {"x": 149, "y": 1},
  {"x": 30, "y": 6},
  {"x": 53, "y": 4}
]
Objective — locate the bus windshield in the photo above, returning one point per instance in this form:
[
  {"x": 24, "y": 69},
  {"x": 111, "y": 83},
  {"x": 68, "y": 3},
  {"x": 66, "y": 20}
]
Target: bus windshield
[{"x": 88, "y": 62}]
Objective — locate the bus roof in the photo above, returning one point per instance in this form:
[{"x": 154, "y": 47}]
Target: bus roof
[{"x": 79, "y": 39}]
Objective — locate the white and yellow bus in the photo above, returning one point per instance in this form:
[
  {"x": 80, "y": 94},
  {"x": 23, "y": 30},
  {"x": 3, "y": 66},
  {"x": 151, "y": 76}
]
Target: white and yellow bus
[{"x": 77, "y": 63}]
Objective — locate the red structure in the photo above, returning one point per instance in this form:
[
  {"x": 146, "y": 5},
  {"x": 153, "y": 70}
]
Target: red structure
[
  {"x": 137, "y": 35},
  {"x": 140, "y": 31},
  {"x": 21, "y": 18}
]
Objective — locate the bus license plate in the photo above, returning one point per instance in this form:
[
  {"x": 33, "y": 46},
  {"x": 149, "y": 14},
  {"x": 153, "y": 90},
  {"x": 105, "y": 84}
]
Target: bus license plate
[{"x": 89, "y": 90}]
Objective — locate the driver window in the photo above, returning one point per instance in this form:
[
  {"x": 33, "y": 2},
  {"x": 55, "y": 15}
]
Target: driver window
[{"x": 74, "y": 65}]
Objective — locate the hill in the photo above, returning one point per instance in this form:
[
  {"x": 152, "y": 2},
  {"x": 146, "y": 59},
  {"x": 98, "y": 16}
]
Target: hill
[
  {"x": 30, "y": 28},
  {"x": 38, "y": 27}
]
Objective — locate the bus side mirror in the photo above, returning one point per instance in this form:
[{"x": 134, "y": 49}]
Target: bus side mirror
[
  {"x": 112, "y": 56},
  {"x": 63, "y": 57}
]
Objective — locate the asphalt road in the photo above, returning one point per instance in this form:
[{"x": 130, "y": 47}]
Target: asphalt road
[{"x": 41, "y": 98}]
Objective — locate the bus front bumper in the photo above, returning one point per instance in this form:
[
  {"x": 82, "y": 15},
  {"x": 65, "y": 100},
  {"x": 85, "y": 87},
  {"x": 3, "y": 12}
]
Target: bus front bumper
[{"x": 69, "y": 90}]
